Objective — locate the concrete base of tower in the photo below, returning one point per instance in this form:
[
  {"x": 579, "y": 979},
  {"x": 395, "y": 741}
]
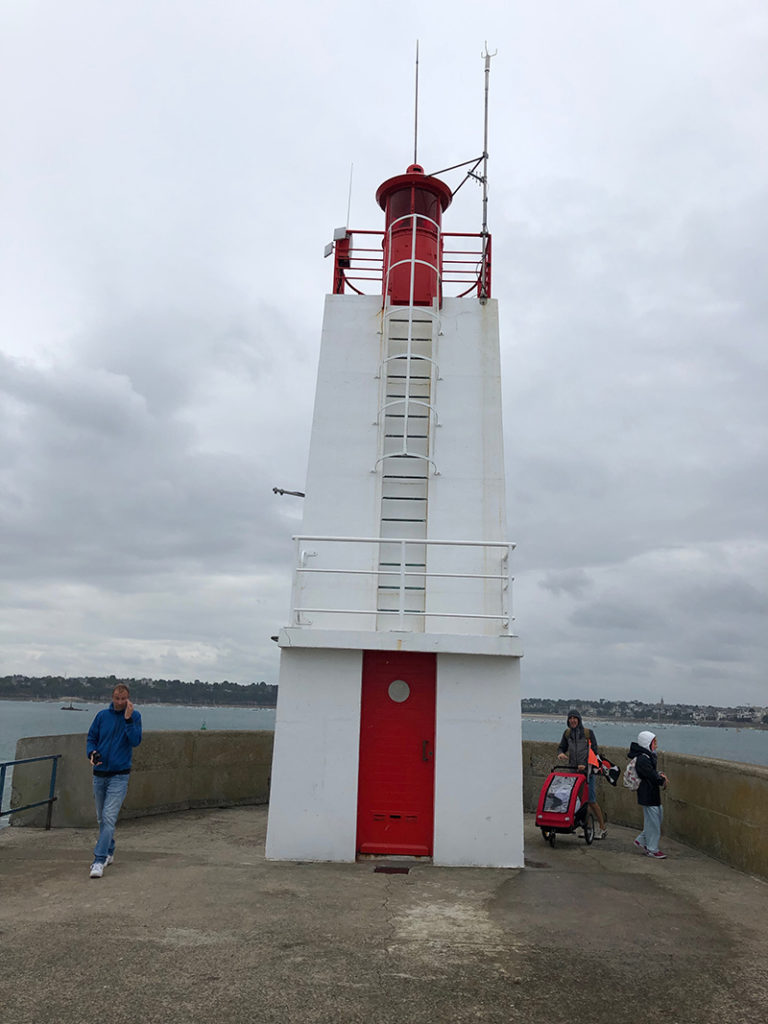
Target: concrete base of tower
[
  {"x": 313, "y": 791},
  {"x": 313, "y": 812}
]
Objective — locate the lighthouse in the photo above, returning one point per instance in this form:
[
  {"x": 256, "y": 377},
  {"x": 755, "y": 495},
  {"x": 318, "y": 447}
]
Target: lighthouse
[{"x": 398, "y": 729}]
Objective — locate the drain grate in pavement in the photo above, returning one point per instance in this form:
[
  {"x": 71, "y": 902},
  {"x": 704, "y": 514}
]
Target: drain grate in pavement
[{"x": 384, "y": 869}]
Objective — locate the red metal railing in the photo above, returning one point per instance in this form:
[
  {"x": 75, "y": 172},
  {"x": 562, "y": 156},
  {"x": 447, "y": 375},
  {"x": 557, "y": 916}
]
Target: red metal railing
[{"x": 466, "y": 264}]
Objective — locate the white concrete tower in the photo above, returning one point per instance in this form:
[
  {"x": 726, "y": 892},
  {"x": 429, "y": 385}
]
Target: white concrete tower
[{"x": 398, "y": 717}]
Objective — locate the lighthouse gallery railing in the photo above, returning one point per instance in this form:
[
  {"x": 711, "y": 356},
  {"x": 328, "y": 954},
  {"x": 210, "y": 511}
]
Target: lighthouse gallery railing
[
  {"x": 495, "y": 590},
  {"x": 466, "y": 263}
]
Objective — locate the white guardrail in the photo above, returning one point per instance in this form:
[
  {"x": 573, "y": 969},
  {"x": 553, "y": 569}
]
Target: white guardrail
[{"x": 413, "y": 577}]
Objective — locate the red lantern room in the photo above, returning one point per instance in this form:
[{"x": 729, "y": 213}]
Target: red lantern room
[{"x": 413, "y": 204}]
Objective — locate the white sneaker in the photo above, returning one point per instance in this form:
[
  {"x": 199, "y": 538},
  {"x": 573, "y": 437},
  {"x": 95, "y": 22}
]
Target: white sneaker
[
  {"x": 110, "y": 860},
  {"x": 601, "y": 833},
  {"x": 97, "y": 869}
]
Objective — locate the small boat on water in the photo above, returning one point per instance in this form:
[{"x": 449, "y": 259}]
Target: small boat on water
[{"x": 71, "y": 707}]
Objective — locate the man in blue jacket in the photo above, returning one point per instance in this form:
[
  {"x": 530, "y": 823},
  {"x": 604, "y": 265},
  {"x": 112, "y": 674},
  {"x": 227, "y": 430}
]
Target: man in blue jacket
[{"x": 114, "y": 733}]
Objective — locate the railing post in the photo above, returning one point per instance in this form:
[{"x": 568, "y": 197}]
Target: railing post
[
  {"x": 505, "y": 559},
  {"x": 27, "y": 807},
  {"x": 51, "y": 791},
  {"x": 297, "y": 561},
  {"x": 401, "y": 602}
]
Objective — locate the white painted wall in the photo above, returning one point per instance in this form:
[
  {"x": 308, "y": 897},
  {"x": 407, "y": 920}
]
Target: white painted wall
[
  {"x": 343, "y": 493},
  {"x": 467, "y": 496},
  {"x": 341, "y": 487},
  {"x": 478, "y": 762},
  {"x": 313, "y": 797},
  {"x": 478, "y": 782}
]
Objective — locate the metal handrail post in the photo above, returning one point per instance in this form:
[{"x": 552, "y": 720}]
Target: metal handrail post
[
  {"x": 51, "y": 797},
  {"x": 401, "y": 604},
  {"x": 505, "y": 588},
  {"x": 298, "y": 563},
  {"x": 39, "y": 803}
]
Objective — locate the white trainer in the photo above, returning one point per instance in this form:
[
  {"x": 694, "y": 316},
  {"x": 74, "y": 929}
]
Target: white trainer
[
  {"x": 110, "y": 860},
  {"x": 97, "y": 869}
]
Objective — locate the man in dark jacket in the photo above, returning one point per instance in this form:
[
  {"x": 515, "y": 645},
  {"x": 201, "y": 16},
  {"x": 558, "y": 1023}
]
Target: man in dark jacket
[
  {"x": 652, "y": 782},
  {"x": 574, "y": 748},
  {"x": 114, "y": 733}
]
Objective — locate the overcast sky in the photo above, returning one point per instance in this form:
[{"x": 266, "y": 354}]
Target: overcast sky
[{"x": 170, "y": 174}]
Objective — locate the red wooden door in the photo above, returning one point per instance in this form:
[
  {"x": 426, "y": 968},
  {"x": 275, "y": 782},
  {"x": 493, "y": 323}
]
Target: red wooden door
[{"x": 396, "y": 781}]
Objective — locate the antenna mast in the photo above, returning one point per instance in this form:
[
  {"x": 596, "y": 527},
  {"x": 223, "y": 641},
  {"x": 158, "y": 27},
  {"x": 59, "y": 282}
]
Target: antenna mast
[
  {"x": 416, "y": 108},
  {"x": 349, "y": 197},
  {"x": 484, "y": 266}
]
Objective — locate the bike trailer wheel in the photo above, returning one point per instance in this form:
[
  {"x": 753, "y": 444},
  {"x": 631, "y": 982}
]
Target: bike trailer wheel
[{"x": 589, "y": 828}]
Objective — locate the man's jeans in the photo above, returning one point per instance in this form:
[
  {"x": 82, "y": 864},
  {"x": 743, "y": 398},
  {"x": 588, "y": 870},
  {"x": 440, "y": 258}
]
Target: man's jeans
[
  {"x": 108, "y": 792},
  {"x": 651, "y": 833}
]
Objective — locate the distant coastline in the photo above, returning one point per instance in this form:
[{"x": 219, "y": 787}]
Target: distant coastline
[
  {"x": 165, "y": 702},
  {"x": 654, "y": 720}
]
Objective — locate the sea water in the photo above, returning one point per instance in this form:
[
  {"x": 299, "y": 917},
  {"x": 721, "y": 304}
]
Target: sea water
[
  {"x": 729, "y": 744},
  {"x": 21, "y": 718},
  {"x": 46, "y": 718}
]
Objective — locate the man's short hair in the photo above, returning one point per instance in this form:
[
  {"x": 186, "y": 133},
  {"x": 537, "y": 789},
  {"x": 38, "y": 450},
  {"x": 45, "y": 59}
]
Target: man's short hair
[{"x": 122, "y": 688}]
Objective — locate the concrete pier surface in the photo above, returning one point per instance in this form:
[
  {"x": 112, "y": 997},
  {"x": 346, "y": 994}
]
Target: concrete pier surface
[{"x": 191, "y": 923}]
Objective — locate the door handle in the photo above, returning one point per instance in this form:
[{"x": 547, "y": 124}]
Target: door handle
[{"x": 426, "y": 754}]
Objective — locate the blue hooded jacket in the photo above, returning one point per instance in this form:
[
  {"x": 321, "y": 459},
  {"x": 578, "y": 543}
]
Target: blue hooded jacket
[{"x": 114, "y": 737}]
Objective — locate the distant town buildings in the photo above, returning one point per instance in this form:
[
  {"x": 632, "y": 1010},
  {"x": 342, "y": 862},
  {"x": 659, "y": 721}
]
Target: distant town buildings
[
  {"x": 628, "y": 709},
  {"x": 176, "y": 691}
]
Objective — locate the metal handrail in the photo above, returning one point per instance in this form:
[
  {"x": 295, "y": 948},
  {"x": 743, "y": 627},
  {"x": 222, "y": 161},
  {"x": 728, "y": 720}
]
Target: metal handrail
[
  {"x": 410, "y": 540},
  {"x": 364, "y": 264},
  {"x": 51, "y": 798},
  {"x": 401, "y": 573}
]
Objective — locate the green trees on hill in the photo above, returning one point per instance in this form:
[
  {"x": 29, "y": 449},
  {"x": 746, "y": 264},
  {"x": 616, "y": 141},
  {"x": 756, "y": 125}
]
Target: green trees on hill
[{"x": 144, "y": 691}]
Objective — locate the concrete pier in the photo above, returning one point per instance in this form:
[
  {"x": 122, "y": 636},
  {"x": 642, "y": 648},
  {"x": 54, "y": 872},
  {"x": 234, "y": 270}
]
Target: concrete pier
[
  {"x": 718, "y": 807},
  {"x": 191, "y": 923}
]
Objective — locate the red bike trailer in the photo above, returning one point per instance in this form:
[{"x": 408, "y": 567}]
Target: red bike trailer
[{"x": 563, "y": 806}]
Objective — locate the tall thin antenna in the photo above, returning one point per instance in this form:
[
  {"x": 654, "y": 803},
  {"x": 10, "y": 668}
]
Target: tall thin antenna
[
  {"x": 484, "y": 278},
  {"x": 349, "y": 197},
  {"x": 416, "y": 110}
]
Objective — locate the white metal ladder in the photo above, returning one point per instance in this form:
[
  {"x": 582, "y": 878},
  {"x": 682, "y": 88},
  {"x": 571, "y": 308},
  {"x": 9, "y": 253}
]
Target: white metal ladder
[{"x": 407, "y": 420}]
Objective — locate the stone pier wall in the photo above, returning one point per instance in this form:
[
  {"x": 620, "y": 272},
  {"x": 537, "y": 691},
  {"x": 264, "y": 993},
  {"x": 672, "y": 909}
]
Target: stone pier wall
[
  {"x": 718, "y": 807},
  {"x": 172, "y": 771}
]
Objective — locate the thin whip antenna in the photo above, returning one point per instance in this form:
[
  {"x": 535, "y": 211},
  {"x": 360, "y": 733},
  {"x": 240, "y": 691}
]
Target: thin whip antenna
[
  {"x": 484, "y": 277},
  {"x": 349, "y": 197},
  {"x": 416, "y": 109}
]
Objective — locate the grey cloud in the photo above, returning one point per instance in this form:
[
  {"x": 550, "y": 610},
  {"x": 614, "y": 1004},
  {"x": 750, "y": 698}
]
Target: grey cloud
[
  {"x": 727, "y": 596},
  {"x": 162, "y": 288},
  {"x": 574, "y": 583},
  {"x": 617, "y": 614}
]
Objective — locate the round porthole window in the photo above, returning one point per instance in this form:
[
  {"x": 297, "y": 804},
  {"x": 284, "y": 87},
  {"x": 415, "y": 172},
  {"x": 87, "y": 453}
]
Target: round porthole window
[{"x": 399, "y": 691}]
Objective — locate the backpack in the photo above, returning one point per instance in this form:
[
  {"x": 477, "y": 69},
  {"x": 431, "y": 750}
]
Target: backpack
[{"x": 631, "y": 778}]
